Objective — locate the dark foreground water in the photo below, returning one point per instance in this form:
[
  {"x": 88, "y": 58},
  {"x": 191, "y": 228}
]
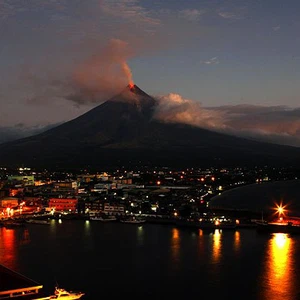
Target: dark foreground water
[{"x": 154, "y": 261}]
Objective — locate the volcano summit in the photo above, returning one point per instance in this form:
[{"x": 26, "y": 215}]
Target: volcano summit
[{"x": 124, "y": 132}]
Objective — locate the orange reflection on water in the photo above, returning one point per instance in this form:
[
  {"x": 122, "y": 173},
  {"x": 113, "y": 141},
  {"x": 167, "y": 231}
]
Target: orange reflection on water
[
  {"x": 201, "y": 244},
  {"x": 278, "y": 272},
  {"x": 175, "y": 234},
  {"x": 7, "y": 247},
  {"x": 217, "y": 245},
  {"x": 237, "y": 241},
  {"x": 175, "y": 247}
]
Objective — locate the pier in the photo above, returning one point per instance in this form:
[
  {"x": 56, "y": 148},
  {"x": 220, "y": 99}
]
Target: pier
[{"x": 16, "y": 285}]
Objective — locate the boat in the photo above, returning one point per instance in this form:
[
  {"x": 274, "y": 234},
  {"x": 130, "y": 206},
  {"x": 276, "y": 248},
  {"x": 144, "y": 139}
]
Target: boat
[
  {"x": 277, "y": 227},
  {"x": 205, "y": 225},
  {"x": 106, "y": 218},
  {"x": 12, "y": 225},
  {"x": 60, "y": 293},
  {"x": 35, "y": 221},
  {"x": 133, "y": 220}
]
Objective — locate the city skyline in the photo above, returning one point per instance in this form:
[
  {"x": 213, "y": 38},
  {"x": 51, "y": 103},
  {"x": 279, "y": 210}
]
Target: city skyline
[{"x": 229, "y": 65}]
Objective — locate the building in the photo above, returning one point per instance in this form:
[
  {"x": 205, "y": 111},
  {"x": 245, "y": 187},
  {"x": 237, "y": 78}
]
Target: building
[
  {"x": 65, "y": 186},
  {"x": 113, "y": 209},
  {"x": 63, "y": 204},
  {"x": 8, "y": 206},
  {"x": 20, "y": 179},
  {"x": 94, "y": 206},
  {"x": 9, "y": 202},
  {"x": 13, "y": 192}
]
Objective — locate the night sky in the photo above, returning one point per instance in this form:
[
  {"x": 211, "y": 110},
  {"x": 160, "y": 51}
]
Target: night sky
[{"x": 230, "y": 66}]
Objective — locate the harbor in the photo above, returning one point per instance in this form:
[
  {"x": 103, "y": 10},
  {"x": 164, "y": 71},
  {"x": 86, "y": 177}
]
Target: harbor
[{"x": 78, "y": 254}]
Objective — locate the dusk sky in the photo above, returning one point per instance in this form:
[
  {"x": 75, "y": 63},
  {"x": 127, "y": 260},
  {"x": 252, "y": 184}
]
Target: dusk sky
[{"x": 227, "y": 65}]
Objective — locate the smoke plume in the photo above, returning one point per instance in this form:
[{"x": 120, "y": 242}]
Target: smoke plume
[
  {"x": 103, "y": 74},
  {"x": 276, "y": 124},
  {"x": 175, "y": 109},
  {"x": 128, "y": 73}
]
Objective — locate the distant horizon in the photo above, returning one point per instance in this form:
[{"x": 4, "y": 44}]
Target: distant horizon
[{"x": 230, "y": 66}]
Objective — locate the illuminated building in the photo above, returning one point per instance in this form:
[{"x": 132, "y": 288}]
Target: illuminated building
[
  {"x": 7, "y": 204},
  {"x": 63, "y": 204},
  {"x": 24, "y": 180}
]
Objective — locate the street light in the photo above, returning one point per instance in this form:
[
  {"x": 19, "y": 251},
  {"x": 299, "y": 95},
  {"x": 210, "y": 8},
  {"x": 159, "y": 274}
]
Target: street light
[{"x": 280, "y": 210}]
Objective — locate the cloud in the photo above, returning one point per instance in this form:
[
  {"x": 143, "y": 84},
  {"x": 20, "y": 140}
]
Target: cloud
[
  {"x": 211, "y": 61},
  {"x": 19, "y": 131},
  {"x": 175, "y": 109},
  {"x": 191, "y": 14},
  {"x": 129, "y": 10},
  {"x": 9, "y": 8},
  {"x": 228, "y": 15},
  {"x": 277, "y": 124},
  {"x": 232, "y": 12},
  {"x": 276, "y": 28},
  {"x": 78, "y": 52}
]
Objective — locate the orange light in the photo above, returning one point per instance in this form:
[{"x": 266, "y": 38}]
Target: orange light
[
  {"x": 217, "y": 222},
  {"x": 280, "y": 209},
  {"x": 131, "y": 85}
]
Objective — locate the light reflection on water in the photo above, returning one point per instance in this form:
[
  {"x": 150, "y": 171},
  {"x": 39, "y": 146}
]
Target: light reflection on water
[
  {"x": 278, "y": 268},
  {"x": 237, "y": 241},
  {"x": 226, "y": 263},
  {"x": 8, "y": 243},
  {"x": 87, "y": 227},
  {"x": 140, "y": 234},
  {"x": 175, "y": 248},
  {"x": 217, "y": 246}
]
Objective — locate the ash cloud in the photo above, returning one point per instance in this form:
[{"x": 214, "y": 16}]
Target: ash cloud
[
  {"x": 275, "y": 124},
  {"x": 102, "y": 74},
  {"x": 174, "y": 108},
  {"x": 94, "y": 79}
]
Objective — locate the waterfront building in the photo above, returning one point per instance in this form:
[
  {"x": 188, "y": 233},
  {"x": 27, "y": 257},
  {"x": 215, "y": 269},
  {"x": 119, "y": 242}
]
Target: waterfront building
[
  {"x": 94, "y": 206},
  {"x": 114, "y": 209},
  {"x": 63, "y": 204},
  {"x": 7, "y": 206}
]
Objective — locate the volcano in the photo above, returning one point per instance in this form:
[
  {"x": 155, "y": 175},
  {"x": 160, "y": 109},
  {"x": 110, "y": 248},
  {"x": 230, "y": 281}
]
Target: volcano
[{"x": 123, "y": 132}]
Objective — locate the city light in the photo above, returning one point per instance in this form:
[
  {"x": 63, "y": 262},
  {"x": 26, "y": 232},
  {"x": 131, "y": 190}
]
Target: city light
[{"x": 281, "y": 210}]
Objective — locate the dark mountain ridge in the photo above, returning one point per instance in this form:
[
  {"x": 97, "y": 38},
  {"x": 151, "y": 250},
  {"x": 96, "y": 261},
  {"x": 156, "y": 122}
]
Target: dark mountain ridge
[{"x": 123, "y": 132}]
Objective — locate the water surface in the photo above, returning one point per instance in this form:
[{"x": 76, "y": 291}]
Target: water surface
[{"x": 154, "y": 261}]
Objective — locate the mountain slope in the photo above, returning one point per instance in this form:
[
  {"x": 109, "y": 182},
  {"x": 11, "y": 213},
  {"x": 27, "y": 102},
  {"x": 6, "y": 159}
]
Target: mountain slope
[{"x": 122, "y": 131}]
